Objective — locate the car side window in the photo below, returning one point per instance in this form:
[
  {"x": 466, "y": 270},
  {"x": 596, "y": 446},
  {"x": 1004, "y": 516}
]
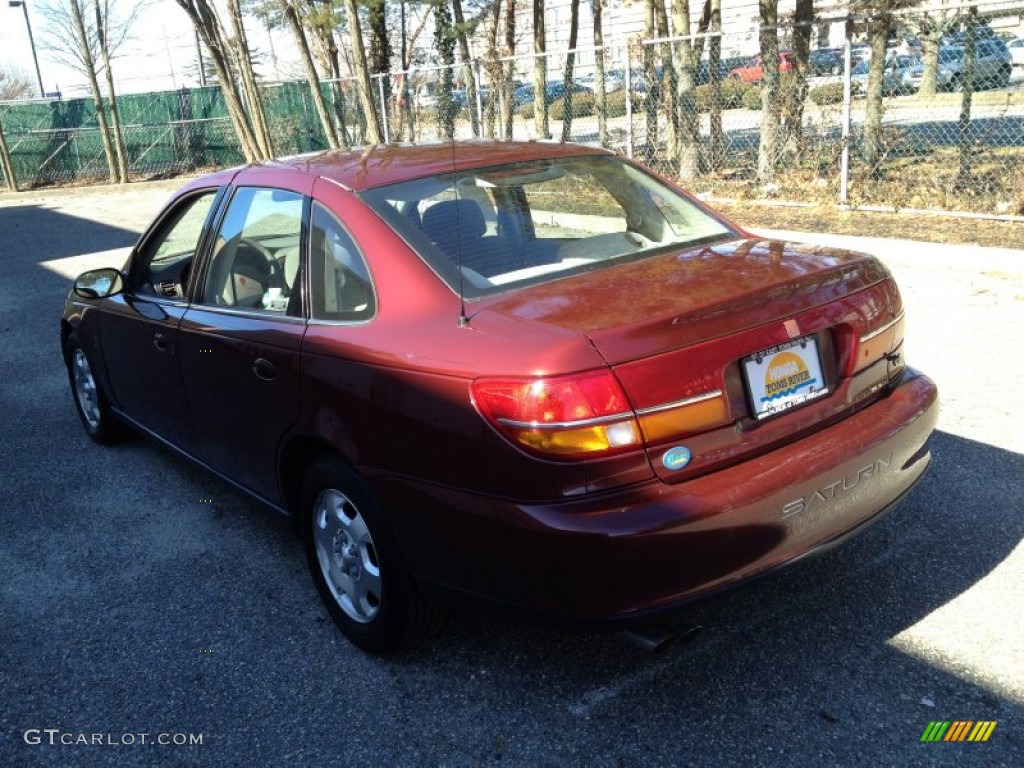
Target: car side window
[
  {"x": 341, "y": 287},
  {"x": 256, "y": 254},
  {"x": 162, "y": 268}
]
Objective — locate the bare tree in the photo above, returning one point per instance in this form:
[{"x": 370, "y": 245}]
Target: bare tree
[
  {"x": 510, "y": 51},
  {"x": 83, "y": 39},
  {"x": 362, "y": 74},
  {"x": 540, "y": 73},
  {"x": 570, "y": 63},
  {"x": 687, "y": 136},
  {"x": 207, "y": 23},
  {"x": 494, "y": 72},
  {"x": 102, "y": 11},
  {"x": 879, "y": 22},
  {"x": 931, "y": 26},
  {"x": 444, "y": 39},
  {"x": 461, "y": 30},
  {"x": 242, "y": 57},
  {"x": 717, "y": 143},
  {"x": 964, "y": 144},
  {"x": 5, "y": 163},
  {"x": 768, "y": 149},
  {"x": 380, "y": 53},
  {"x": 794, "y": 97},
  {"x": 72, "y": 38},
  {"x": 291, "y": 16},
  {"x": 15, "y": 84},
  {"x": 600, "y": 95}
]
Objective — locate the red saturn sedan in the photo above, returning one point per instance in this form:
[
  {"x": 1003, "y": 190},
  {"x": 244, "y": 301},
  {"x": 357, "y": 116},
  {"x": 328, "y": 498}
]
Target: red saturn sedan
[{"x": 534, "y": 373}]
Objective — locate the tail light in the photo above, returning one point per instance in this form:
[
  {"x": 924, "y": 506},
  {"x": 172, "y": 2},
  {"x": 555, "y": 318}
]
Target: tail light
[{"x": 576, "y": 416}]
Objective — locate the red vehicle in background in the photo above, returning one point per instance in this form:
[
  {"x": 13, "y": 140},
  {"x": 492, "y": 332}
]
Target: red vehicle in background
[{"x": 753, "y": 70}]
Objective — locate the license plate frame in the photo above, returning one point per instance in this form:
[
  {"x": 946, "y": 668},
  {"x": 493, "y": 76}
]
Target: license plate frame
[{"x": 784, "y": 377}]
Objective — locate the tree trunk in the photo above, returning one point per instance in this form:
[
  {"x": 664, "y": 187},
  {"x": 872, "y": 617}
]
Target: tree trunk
[
  {"x": 380, "y": 56},
  {"x": 878, "y": 32},
  {"x": 5, "y": 163},
  {"x": 797, "y": 96},
  {"x": 717, "y": 149},
  {"x": 668, "y": 81},
  {"x": 204, "y": 18},
  {"x": 768, "y": 150},
  {"x": 650, "y": 86},
  {"x": 600, "y": 95},
  {"x": 493, "y": 69},
  {"x": 687, "y": 134},
  {"x": 120, "y": 151},
  {"x": 292, "y": 17},
  {"x": 325, "y": 48},
  {"x": 963, "y": 177},
  {"x": 570, "y": 64},
  {"x": 930, "y": 35},
  {"x": 362, "y": 74},
  {"x": 94, "y": 87},
  {"x": 444, "y": 40},
  {"x": 467, "y": 62},
  {"x": 510, "y": 50},
  {"x": 540, "y": 73},
  {"x": 243, "y": 63}
]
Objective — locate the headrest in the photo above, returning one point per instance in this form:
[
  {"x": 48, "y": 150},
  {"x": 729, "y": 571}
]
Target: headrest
[{"x": 450, "y": 219}]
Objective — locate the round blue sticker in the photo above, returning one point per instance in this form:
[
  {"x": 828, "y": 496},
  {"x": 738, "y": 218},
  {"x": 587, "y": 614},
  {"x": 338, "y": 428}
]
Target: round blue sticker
[{"x": 676, "y": 458}]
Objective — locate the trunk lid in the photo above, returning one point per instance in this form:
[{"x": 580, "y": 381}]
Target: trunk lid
[{"x": 677, "y": 328}]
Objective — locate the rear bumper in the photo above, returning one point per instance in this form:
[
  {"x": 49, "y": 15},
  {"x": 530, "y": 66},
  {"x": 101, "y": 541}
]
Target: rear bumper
[{"x": 651, "y": 546}]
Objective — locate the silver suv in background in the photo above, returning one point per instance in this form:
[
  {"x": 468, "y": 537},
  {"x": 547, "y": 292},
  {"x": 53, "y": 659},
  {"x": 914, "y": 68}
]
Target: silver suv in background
[{"x": 992, "y": 66}]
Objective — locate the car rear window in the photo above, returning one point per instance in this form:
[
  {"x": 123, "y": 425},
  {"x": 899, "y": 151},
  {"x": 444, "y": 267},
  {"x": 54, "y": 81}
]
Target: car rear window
[{"x": 499, "y": 227}]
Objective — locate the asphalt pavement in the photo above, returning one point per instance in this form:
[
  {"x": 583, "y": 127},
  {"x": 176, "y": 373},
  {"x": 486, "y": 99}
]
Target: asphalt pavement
[{"x": 149, "y": 615}]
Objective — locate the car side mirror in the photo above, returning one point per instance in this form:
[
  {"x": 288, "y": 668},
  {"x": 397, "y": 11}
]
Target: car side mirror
[{"x": 99, "y": 283}]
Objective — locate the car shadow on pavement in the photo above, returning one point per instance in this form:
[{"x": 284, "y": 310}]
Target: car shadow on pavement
[{"x": 33, "y": 234}]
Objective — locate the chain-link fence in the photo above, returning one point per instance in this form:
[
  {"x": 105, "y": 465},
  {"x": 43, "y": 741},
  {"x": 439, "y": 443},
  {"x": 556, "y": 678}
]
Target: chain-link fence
[{"x": 952, "y": 150}]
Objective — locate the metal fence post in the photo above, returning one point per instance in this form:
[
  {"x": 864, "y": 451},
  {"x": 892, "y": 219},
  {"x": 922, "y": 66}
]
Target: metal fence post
[
  {"x": 383, "y": 109},
  {"x": 629, "y": 104},
  {"x": 477, "y": 64},
  {"x": 844, "y": 178}
]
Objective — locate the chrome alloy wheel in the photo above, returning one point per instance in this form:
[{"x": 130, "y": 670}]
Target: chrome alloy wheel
[
  {"x": 85, "y": 389},
  {"x": 347, "y": 555}
]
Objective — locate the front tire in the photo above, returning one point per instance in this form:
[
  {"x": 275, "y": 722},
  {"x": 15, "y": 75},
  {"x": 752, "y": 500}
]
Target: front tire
[
  {"x": 356, "y": 565},
  {"x": 91, "y": 402}
]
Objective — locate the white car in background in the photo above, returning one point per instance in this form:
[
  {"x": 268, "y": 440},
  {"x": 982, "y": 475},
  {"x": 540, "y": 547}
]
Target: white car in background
[{"x": 1016, "y": 48}]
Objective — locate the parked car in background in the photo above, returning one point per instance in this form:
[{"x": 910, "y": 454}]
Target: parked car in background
[
  {"x": 825, "y": 61},
  {"x": 1016, "y": 49},
  {"x": 553, "y": 92},
  {"x": 753, "y": 70},
  {"x": 529, "y": 372},
  {"x": 901, "y": 75},
  {"x": 993, "y": 66}
]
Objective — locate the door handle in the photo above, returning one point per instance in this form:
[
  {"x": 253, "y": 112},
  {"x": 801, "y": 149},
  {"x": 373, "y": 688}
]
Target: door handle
[
  {"x": 160, "y": 342},
  {"x": 263, "y": 369}
]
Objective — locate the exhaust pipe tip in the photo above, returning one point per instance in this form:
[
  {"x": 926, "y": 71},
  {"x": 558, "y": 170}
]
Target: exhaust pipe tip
[{"x": 656, "y": 639}]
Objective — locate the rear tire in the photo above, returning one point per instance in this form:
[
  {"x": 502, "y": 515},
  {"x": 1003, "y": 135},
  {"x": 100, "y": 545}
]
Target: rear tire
[
  {"x": 356, "y": 565},
  {"x": 91, "y": 402}
]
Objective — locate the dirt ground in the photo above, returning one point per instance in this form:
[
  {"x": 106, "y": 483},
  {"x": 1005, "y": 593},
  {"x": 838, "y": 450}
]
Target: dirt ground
[{"x": 907, "y": 226}]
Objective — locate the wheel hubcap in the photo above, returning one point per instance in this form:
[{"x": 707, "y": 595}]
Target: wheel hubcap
[
  {"x": 85, "y": 389},
  {"x": 347, "y": 555}
]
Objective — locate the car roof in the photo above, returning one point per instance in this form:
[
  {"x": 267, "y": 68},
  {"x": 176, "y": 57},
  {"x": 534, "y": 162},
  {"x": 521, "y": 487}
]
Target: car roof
[{"x": 379, "y": 165}]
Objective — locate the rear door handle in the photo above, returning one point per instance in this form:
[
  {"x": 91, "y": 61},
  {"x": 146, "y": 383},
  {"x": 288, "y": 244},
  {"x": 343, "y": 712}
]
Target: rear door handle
[
  {"x": 263, "y": 369},
  {"x": 160, "y": 342}
]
